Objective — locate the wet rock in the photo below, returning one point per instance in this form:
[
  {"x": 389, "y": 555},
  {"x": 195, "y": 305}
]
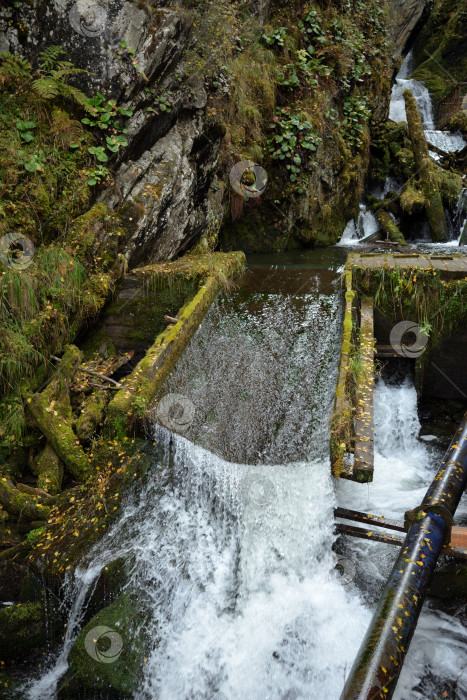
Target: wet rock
[
  {"x": 109, "y": 652},
  {"x": 405, "y": 15}
]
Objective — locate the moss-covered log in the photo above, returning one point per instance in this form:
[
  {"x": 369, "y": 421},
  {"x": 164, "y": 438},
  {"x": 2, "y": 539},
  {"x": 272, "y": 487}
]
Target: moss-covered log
[
  {"x": 392, "y": 231},
  {"x": 52, "y": 412},
  {"x": 92, "y": 414},
  {"x": 142, "y": 385},
  {"x": 429, "y": 185},
  {"x": 49, "y": 470},
  {"x": 20, "y": 504}
]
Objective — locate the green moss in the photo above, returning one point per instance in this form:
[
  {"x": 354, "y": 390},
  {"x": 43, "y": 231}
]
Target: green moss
[
  {"x": 126, "y": 619},
  {"x": 458, "y": 122},
  {"x": 440, "y": 48},
  {"x": 412, "y": 200}
]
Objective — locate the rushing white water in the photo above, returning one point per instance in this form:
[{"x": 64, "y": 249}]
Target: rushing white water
[
  {"x": 356, "y": 230},
  {"x": 445, "y": 140},
  {"x": 419, "y": 90},
  {"x": 404, "y": 468},
  {"x": 232, "y": 564}
]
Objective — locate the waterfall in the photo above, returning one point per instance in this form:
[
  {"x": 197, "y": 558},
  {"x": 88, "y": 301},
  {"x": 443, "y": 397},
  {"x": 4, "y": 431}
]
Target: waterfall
[
  {"x": 357, "y": 229},
  {"x": 419, "y": 91},
  {"x": 366, "y": 224},
  {"x": 231, "y": 539}
]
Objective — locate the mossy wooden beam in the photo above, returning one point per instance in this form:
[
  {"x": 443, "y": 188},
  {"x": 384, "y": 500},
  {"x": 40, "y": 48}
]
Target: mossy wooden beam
[
  {"x": 364, "y": 427},
  {"x": 51, "y": 410},
  {"x": 391, "y": 230},
  {"x": 425, "y": 170},
  {"x": 92, "y": 414},
  {"x": 342, "y": 430},
  {"x": 49, "y": 470},
  {"x": 148, "y": 376},
  {"x": 19, "y": 504}
]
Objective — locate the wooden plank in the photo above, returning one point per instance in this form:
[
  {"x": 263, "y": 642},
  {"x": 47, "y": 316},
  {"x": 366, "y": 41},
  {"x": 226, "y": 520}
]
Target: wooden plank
[
  {"x": 370, "y": 519},
  {"x": 364, "y": 427}
]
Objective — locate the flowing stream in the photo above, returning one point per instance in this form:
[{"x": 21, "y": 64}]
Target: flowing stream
[{"x": 232, "y": 542}]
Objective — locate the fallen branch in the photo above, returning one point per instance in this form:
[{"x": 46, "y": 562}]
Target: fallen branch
[
  {"x": 93, "y": 374},
  {"x": 171, "y": 319}
]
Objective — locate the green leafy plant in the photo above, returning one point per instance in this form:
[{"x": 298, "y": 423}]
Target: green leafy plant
[
  {"x": 99, "y": 153},
  {"x": 32, "y": 162},
  {"x": 288, "y": 79},
  {"x": 25, "y": 129},
  {"x": 275, "y": 37},
  {"x": 163, "y": 102},
  {"x": 312, "y": 26},
  {"x": 293, "y": 143},
  {"x": 356, "y": 114},
  {"x": 106, "y": 114},
  {"x": 97, "y": 175}
]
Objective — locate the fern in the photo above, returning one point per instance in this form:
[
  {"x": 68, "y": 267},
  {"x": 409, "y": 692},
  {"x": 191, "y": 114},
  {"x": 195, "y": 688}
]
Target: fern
[
  {"x": 48, "y": 58},
  {"x": 13, "y": 68},
  {"x": 53, "y": 80}
]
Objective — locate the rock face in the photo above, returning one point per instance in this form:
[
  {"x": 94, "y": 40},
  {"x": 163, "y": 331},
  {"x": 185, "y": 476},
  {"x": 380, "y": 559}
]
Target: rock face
[
  {"x": 164, "y": 181},
  {"x": 132, "y": 53},
  {"x": 404, "y": 17}
]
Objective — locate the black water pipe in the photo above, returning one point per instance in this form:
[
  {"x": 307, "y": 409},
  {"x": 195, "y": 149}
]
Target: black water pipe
[{"x": 379, "y": 661}]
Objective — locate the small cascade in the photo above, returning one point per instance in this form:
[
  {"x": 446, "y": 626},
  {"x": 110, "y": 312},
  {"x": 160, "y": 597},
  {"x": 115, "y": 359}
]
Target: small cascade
[
  {"x": 445, "y": 140},
  {"x": 419, "y": 91},
  {"x": 361, "y": 228}
]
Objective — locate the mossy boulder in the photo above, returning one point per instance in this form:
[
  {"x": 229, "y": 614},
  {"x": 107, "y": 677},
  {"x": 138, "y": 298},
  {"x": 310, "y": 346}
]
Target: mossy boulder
[
  {"x": 109, "y": 653},
  {"x": 458, "y": 122},
  {"x": 412, "y": 200}
]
